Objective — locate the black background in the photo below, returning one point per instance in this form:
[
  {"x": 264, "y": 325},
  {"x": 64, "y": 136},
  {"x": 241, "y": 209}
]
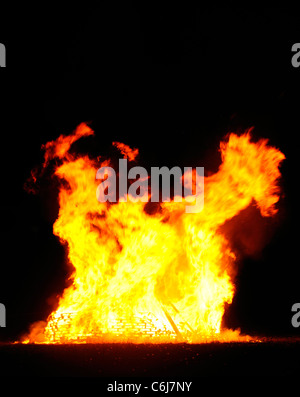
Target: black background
[{"x": 169, "y": 80}]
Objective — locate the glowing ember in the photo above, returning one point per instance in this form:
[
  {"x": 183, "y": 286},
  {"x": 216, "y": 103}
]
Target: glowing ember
[{"x": 164, "y": 276}]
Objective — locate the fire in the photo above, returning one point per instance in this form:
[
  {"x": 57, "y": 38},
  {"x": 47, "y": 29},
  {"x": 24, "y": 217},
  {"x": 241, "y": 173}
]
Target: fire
[{"x": 151, "y": 277}]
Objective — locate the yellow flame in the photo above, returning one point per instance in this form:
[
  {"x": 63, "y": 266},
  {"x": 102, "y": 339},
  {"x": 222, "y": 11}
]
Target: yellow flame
[{"x": 160, "y": 277}]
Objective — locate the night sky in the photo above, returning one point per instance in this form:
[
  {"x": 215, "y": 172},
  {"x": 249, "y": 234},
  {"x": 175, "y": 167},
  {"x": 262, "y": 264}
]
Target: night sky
[{"x": 171, "y": 81}]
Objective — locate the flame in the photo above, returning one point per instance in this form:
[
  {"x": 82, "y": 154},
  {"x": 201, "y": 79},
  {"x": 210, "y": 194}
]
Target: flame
[
  {"x": 164, "y": 276},
  {"x": 127, "y": 152}
]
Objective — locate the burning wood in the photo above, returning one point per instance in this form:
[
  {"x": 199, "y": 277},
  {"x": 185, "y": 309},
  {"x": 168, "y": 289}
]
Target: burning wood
[{"x": 127, "y": 261}]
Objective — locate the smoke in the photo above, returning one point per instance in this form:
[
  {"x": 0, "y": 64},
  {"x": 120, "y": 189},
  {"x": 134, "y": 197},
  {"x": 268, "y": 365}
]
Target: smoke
[{"x": 249, "y": 232}]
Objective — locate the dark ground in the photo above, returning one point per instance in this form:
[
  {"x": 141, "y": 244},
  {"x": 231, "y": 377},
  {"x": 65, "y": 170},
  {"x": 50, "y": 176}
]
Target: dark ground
[{"x": 168, "y": 361}]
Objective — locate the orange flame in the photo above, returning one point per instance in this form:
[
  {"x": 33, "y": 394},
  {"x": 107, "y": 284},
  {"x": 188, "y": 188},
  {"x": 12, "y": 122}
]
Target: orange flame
[
  {"x": 127, "y": 152},
  {"x": 60, "y": 147},
  {"x": 141, "y": 277}
]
